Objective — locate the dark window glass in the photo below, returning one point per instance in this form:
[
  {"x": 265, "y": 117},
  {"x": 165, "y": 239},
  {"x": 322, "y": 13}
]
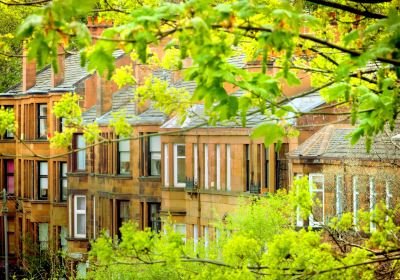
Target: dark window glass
[
  {"x": 63, "y": 181},
  {"x": 42, "y": 121}
]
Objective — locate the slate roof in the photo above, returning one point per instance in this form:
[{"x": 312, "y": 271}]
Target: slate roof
[
  {"x": 122, "y": 102},
  {"x": 332, "y": 142},
  {"x": 196, "y": 115},
  {"x": 74, "y": 73}
]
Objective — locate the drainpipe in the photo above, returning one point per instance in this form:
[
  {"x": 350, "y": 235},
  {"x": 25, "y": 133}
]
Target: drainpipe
[{"x": 5, "y": 211}]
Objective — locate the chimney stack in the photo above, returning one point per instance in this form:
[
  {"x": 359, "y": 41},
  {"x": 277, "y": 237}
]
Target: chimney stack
[
  {"x": 97, "y": 27},
  {"x": 104, "y": 95},
  {"x": 28, "y": 72},
  {"x": 58, "y": 78}
]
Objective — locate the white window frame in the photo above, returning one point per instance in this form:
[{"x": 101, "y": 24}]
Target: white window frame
[
  {"x": 206, "y": 237},
  {"x": 339, "y": 195},
  {"x": 195, "y": 164},
  {"x": 195, "y": 235},
  {"x": 228, "y": 167},
  {"x": 176, "y": 183},
  {"x": 356, "y": 193},
  {"x": 166, "y": 166},
  {"x": 43, "y": 239},
  {"x": 80, "y": 212},
  {"x": 94, "y": 217},
  {"x": 389, "y": 195},
  {"x": 311, "y": 181},
  {"x": 206, "y": 166},
  {"x": 218, "y": 165}
]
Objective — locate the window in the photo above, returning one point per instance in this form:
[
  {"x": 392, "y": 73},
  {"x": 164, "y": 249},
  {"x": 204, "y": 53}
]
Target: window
[
  {"x": 356, "y": 195},
  {"x": 63, "y": 181},
  {"x": 124, "y": 157},
  {"x": 205, "y": 166},
  {"x": 155, "y": 156},
  {"x": 218, "y": 165},
  {"x": 181, "y": 228},
  {"x": 42, "y": 121},
  {"x": 179, "y": 165},
  {"x": 61, "y": 124},
  {"x": 228, "y": 167},
  {"x": 299, "y": 218},
  {"x": 63, "y": 238},
  {"x": 206, "y": 237},
  {"x": 247, "y": 158},
  {"x": 43, "y": 236},
  {"x": 154, "y": 216},
  {"x": 195, "y": 235},
  {"x": 317, "y": 217},
  {"x": 9, "y": 172},
  {"x": 43, "y": 179},
  {"x": 123, "y": 214},
  {"x": 166, "y": 164},
  {"x": 80, "y": 216},
  {"x": 266, "y": 167},
  {"x": 389, "y": 194},
  {"x": 9, "y": 134},
  {"x": 195, "y": 165},
  {"x": 81, "y": 154},
  {"x": 339, "y": 195},
  {"x": 372, "y": 201}
]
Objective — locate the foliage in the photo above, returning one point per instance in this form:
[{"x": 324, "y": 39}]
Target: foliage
[
  {"x": 257, "y": 241},
  {"x": 7, "y": 120},
  {"x": 355, "y": 64}
]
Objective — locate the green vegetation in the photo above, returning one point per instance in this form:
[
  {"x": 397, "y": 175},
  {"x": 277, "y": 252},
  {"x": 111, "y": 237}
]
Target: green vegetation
[{"x": 258, "y": 241}]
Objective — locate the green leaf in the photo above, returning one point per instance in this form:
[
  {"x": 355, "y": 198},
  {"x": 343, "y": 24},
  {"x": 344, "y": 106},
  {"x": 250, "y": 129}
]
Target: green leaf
[
  {"x": 272, "y": 133},
  {"x": 352, "y": 36}
]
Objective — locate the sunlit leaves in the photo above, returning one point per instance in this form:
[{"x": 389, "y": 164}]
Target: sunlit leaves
[{"x": 7, "y": 120}]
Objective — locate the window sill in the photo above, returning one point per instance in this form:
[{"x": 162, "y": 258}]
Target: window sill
[
  {"x": 116, "y": 176},
  {"x": 78, "y": 174},
  {"x": 7, "y": 140},
  {"x": 38, "y": 140},
  {"x": 173, "y": 189},
  {"x": 150, "y": 178},
  {"x": 84, "y": 239},
  {"x": 38, "y": 201}
]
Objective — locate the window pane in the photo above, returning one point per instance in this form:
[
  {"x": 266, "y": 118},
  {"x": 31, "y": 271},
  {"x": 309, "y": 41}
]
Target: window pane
[
  {"x": 124, "y": 146},
  {"x": 181, "y": 170},
  {"x": 180, "y": 150},
  {"x": 63, "y": 238},
  {"x": 155, "y": 144},
  {"x": 155, "y": 164},
  {"x": 10, "y": 166},
  {"x": 43, "y": 187},
  {"x": 80, "y": 203},
  {"x": 64, "y": 190},
  {"x": 81, "y": 224},
  {"x": 124, "y": 162},
  {"x": 81, "y": 160},
  {"x": 80, "y": 141},
  {"x": 317, "y": 207},
  {"x": 43, "y": 128},
  {"x": 10, "y": 184},
  {"x": 43, "y": 169},
  {"x": 9, "y": 134},
  {"x": 64, "y": 169},
  {"x": 124, "y": 211},
  {"x": 43, "y": 110}
]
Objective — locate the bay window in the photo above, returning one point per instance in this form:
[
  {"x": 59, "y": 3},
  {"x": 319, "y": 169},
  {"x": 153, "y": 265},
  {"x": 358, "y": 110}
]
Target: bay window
[
  {"x": 179, "y": 165},
  {"x": 166, "y": 166},
  {"x": 79, "y": 216}
]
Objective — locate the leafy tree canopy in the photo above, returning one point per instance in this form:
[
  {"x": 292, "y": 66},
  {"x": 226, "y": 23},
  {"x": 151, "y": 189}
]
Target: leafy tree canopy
[{"x": 350, "y": 49}]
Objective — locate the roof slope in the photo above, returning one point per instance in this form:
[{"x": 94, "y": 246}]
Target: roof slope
[{"x": 332, "y": 142}]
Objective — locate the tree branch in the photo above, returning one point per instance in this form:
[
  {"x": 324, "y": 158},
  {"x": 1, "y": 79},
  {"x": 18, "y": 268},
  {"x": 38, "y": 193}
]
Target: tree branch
[
  {"x": 348, "y": 9},
  {"x": 33, "y": 3}
]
